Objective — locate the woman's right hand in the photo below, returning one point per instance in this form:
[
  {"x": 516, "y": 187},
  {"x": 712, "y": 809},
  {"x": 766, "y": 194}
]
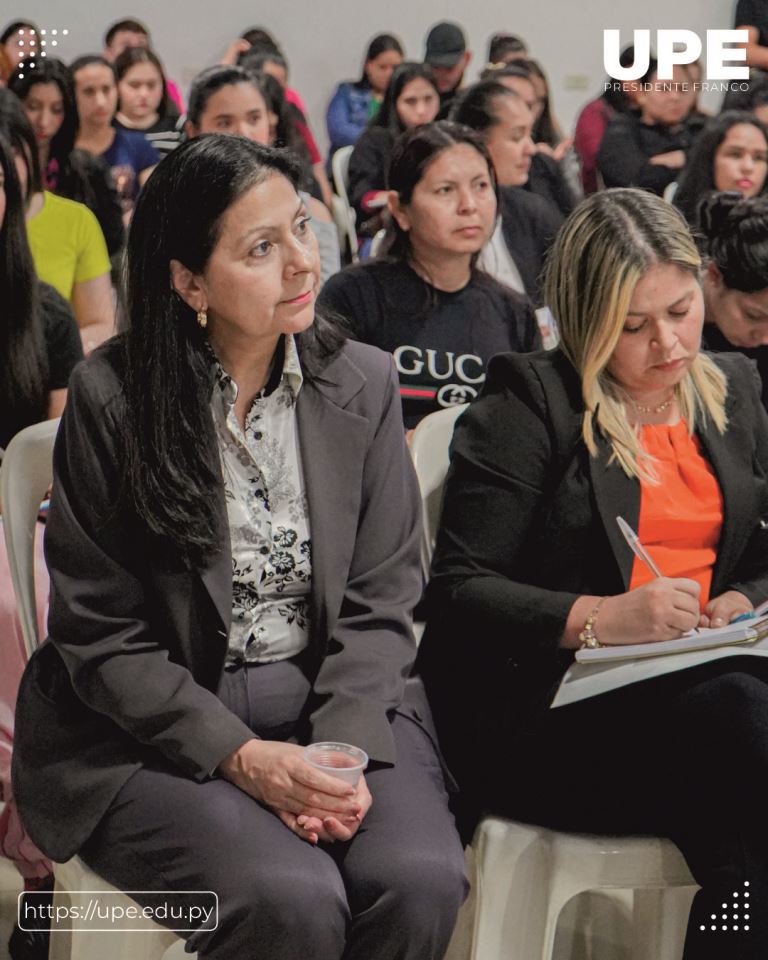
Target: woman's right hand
[
  {"x": 276, "y": 774},
  {"x": 663, "y": 609}
]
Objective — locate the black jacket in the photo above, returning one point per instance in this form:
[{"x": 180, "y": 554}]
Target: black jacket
[
  {"x": 547, "y": 180},
  {"x": 529, "y": 224},
  {"x": 529, "y": 525},
  {"x": 368, "y": 170},
  {"x": 629, "y": 144}
]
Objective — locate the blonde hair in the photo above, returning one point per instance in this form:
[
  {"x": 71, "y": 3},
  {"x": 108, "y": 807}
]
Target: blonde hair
[{"x": 605, "y": 247}]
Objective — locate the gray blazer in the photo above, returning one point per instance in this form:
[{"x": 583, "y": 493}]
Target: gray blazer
[{"x": 135, "y": 654}]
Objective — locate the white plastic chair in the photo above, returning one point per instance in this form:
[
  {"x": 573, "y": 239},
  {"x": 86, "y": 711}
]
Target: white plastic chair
[
  {"x": 25, "y": 475},
  {"x": 340, "y": 170},
  {"x": 429, "y": 452},
  {"x": 670, "y": 191},
  {"x": 524, "y": 874},
  {"x": 377, "y": 242}
]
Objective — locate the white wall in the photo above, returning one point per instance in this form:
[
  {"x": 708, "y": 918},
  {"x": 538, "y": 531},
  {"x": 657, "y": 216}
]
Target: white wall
[{"x": 324, "y": 39}]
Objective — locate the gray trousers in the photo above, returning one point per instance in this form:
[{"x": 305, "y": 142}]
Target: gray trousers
[{"x": 391, "y": 893}]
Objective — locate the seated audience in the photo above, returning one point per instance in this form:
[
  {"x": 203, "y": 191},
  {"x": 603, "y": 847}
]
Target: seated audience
[
  {"x": 445, "y": 51},
  {"x": 275, "y": 64},
  {"x": 425, "y": 301},
  {"x": 20, "y": 41},
  {"x": 354, "y": 103},
  {"x": 594, "y": 119},
  {"x": 67, "y": 244},
  {"x": 125, "y": 34},
  {"x": 411, "y": 99},
  {"x": 256, "y": 40},
  {"x": 735, "y": 241},
  {"x": 143, "y": 103},
  {"x": 47, "y": 94},
  {"x": 231, "y": 100},
  {"x": 130, "y": 156},
  {"x": 650, "y": 150},
  {"x": 39, "y": 346},
  {"x": 527, "y": 223},
  {"x": 627, "y": 418},
  {"x": 730, "y": 154},
  {"x": 236, "y": 472},
  {"x": 546, "y": 177}
]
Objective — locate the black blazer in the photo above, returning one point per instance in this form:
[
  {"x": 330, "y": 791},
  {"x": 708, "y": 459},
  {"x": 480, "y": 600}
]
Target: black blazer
[
  {"x": 529, "y": 525},
  {"x": 529, "y": 224},
  {"x": 135, "y": 654}
]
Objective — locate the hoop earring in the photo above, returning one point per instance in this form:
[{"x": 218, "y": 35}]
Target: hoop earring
[{"x": 202, "y": 319}]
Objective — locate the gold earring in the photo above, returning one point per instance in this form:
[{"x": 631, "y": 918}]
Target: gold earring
[{"x": 202, "y": 318}]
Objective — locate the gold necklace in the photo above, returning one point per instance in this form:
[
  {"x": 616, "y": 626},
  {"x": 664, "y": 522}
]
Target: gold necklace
[{"x": 659, "y": 409}]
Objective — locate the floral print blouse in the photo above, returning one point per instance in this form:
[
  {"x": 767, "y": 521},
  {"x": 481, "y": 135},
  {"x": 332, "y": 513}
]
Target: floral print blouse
[{"x": 267, "y": 513}]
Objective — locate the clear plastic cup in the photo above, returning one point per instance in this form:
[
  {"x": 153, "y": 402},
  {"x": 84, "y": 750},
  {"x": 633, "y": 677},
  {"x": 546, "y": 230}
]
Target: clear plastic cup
[{"x": 340, "y": 760}]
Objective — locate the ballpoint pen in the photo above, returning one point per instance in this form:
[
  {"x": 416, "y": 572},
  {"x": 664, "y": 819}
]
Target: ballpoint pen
[{"x": 639, "y": 550}]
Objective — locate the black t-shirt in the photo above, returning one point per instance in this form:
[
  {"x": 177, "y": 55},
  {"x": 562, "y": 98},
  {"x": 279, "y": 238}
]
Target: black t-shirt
[
  {"x": 441, "y": 341},
  {"x": 63, "y": 348},
  {"x": 753, "y": 13}
]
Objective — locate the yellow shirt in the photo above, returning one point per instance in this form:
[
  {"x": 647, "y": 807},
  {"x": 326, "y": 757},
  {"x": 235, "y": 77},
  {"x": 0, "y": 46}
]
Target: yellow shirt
[{"x": 67, "y": 244}]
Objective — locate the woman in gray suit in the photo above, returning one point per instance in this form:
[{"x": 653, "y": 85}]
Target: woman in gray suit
[{"x": 233, "y": 545}]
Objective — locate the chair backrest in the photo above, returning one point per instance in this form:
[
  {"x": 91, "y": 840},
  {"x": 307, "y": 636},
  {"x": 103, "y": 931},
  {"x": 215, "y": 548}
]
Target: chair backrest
[
  {"x": 25, "y": 475},
  {"x": 377, "y": 242},
  {"x": 429, "y": 450},
  {"x": 340, "y": 170},
  {"x": 670, "y": 191}
]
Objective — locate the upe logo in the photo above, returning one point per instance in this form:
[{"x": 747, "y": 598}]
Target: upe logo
[{"x": 677, "y": 47}]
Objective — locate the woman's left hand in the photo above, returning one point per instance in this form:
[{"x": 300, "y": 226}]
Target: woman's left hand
[
  {"x": 330, "y": 829},
  {"x": 725, "y": 608}
]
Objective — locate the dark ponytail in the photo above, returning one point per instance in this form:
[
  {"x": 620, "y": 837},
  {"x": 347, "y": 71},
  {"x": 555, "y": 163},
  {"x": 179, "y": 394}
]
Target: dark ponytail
[{"x": 736, "y": 239}]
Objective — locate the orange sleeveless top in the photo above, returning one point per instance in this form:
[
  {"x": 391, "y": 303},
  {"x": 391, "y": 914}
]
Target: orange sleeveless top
[{"x": 681, "y": 517}]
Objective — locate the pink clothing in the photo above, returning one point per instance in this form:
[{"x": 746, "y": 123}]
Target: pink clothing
[
  {"x": 590, "y": 129},
  {"x": 175, "y": 94},
  {"x": 14, "y": 842},
  {"x": 303, "y": 127},
  {"x": 292, "y": 96}
]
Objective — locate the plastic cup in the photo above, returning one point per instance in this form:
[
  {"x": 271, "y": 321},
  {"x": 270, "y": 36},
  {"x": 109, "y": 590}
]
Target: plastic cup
[{"x": 340, "y": 760}]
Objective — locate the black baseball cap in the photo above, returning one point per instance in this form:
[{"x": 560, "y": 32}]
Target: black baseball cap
[{"x": 446, "y": 45}]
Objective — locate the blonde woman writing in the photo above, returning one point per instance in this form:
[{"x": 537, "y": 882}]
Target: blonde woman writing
[{"x": 627, "y": 418}]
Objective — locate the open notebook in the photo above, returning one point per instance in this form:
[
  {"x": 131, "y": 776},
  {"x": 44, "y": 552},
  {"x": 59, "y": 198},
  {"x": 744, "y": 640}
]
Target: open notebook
[{"x": 608, "y": 668}]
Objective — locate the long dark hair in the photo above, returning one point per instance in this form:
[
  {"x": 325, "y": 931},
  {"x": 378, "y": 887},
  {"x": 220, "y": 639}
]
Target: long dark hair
[
  {"x": 53, "y": 71},
  {"x": 212, "y": 79},
  {"x": 171, "y": 464},
  {"x": 14, "y": 27},
  {"x": 736, "y": 239},
  {"x": 698, "y": 178},
  {"x": 16, "y": 129},
  {"x": 381, "y": 43},
  {"x": 23, "y": 359},
  {"x": 545, "y": 130},
  {"x": 134, "y": 55},
  {"x": 414, "y": 152},
  {"x": 387, "y": 116},
  {"x": 476, "y": 106}
]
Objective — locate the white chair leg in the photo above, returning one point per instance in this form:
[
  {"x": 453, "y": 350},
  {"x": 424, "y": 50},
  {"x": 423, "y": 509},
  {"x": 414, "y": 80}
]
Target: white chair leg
[{"x": 660, "y": 919}]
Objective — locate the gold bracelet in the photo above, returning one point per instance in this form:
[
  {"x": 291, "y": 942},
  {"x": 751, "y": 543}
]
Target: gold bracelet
[{"x": 587, "y": 636}]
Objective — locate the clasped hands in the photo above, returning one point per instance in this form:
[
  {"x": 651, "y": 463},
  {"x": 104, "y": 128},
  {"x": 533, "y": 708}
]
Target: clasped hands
[{"x": 313, "y": 805}]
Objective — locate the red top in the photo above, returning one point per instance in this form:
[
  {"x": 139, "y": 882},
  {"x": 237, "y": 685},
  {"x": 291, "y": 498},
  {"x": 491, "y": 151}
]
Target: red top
[{"x": 681, "y": 517}]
